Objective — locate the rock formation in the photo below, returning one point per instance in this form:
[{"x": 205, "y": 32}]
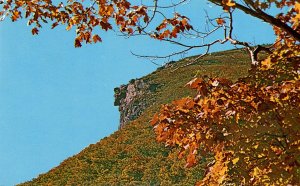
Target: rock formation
[{"x": 130, "y": 99}]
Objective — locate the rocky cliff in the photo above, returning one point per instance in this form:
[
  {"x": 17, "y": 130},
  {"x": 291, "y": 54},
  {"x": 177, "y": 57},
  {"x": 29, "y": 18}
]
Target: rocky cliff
[{"x": 131, "y": 99}]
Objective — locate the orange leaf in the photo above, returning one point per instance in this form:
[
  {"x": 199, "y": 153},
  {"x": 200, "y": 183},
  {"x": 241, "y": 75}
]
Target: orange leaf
[
  {"x": 220, "y": 21},
  {"x": 229, "y": 3},
  {"x": 129, "y": 30},
  {"x": 135, "y": 18},
  {"x": 96, "y": 38},
  {"x": 109, "y": 10},
  {"x": 191, "y": 160},
  {"x": 194, "y": 84},
  {"x": 161, "y": 26},
  {"x": 154, "y": 120},
  {"x": 69, "y": 27},
  {"x": 297, "y": 7},
  {"x": 15, "y": 15},
  {"x": 184, "y": 22}
]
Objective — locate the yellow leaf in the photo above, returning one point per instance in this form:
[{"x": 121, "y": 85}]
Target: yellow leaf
[
  {"x": 261, "y": 155},
  {"x": 286, "y": 98},
  {"x": 237, "y": 117},
  {"x": 191, "y": 135},
  {"x": 198, "y": 136},
  {"x": 229, "y": 3},
  {"x": 256, "y": 172},
  {"x": 297, "y": 7},
  {"x": 255, "y": 146},
  {"x": 235, "y": 160},
  {"x": 266, "y": 64}
]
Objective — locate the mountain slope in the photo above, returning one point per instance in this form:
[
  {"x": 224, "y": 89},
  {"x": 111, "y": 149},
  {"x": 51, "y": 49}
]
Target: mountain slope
[{"x": 131, "y": 156}]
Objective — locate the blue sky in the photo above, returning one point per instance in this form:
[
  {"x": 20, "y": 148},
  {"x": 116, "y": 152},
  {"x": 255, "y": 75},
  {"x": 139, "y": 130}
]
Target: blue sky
[{"x": 55, "y": 100}]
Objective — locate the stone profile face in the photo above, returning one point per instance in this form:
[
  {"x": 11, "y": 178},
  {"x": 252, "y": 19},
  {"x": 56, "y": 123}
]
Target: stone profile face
[{"x": 129, "y": 98}]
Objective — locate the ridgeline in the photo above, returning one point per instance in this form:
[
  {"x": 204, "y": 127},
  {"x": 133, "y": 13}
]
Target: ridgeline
[{"x": 131, "y": 156}]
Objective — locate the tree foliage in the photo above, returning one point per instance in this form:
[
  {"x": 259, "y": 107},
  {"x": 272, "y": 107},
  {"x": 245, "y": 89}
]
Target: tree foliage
[
  {"x": 136, "y": 18},
  {"x": 250, "y": 126}
]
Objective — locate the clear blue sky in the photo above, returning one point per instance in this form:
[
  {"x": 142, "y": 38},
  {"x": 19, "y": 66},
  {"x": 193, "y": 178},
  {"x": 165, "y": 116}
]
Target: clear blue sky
[{"x": 55, "y": 100}]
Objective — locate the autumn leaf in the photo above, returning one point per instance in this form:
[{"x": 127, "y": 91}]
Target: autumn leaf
[
  {"x": 35, "y": 31},
  {"x": 194, "y": 83},
  {"x": 235, "y": 160},
  {"x": 229, "y": 3},
  {"x": 184, "y": 22},
  {"x": 15, "y": 15},
  {"x": 220, "y": 21},
  {"x": 54, "y": 25},
  {"x": 297, "y": 7},
  {"x": 255, "y": 146},
  {"x": 266, "y": 64},
  {"x": 135, "y": 18},
  {"x": 109, "y": 10},
  {"x": 161, "y": 26},
  {"x": 77, "y": 43},
  {"x": 69, "y": 27},
  {"x": 264, "y": 6},
  {"x": 105, "y": 25},
  {"x": 191, "y": 160},
  {"x": 129, "y": 30},
  {"x": 154, "y": 120},
  {"x": 256, "y": 118},
  {"x": 96, "y": 38}
]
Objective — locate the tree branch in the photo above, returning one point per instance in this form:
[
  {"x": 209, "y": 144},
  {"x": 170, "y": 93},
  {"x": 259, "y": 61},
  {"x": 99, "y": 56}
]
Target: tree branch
[{"x": 269, "y": 19}]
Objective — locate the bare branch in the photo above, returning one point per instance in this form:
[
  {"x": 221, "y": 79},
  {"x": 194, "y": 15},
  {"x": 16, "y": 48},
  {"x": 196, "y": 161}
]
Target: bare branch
[
  {"x": 170, "y": 6},
  {"x": 163, "y": 57}
]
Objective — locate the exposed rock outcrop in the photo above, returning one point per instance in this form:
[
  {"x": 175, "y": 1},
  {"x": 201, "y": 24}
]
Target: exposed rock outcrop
[{"x": 131, "y": 99}]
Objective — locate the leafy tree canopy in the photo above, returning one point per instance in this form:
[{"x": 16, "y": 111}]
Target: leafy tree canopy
[
  {"x": 135, "y": 17},
  {"x": 251, "y": 126}
]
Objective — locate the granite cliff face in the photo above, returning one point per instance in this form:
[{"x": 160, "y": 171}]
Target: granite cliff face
[{"x": 131, "y": 99}]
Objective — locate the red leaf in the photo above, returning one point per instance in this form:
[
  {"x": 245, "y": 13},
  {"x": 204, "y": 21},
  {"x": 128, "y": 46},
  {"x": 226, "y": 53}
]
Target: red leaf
[
  {"x": 35, "y": 31},
  {"x": 54, "y": 25},
  {"x": 77, "y": 43}
]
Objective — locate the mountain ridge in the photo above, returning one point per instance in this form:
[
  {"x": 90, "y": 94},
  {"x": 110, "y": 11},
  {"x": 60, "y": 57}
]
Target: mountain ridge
[{"x": 131, "y": 156}]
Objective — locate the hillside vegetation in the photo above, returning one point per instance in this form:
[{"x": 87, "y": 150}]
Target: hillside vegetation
[{"x": 131, "y": 156}]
